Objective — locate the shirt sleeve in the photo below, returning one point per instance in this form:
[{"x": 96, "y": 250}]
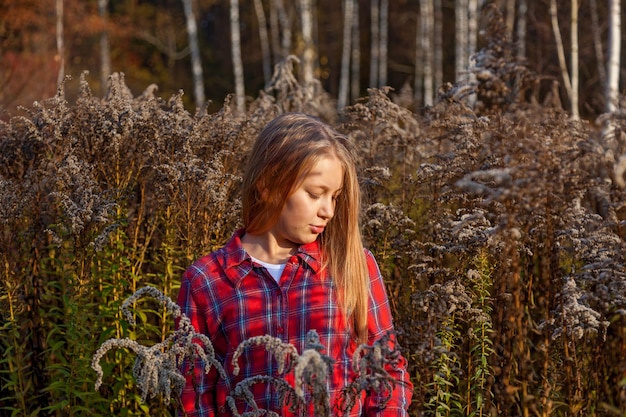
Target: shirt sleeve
[
  {"x": 380, "y": 323},
  {"x": 197, "y": 397}
]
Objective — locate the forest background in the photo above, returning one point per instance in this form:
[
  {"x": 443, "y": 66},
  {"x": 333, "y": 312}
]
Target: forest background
[
  {"x": 212, "y": 48},
  {"x": 495, "y": 207}
]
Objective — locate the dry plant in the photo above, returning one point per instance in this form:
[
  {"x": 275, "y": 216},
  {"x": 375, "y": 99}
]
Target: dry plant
[
  {"x": 157, "y": 367},
  {"x": 499, "y": 224},
  {"x": 503, "y": 244}
]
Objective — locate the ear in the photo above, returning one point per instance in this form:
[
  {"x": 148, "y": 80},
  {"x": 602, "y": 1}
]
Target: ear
[
  {"x": 262, "y": 190},
  {"x": 265, "y": 194}
]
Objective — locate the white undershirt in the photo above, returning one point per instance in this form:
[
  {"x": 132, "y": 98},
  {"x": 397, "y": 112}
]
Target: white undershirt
[{"x": 275, "y": 270}]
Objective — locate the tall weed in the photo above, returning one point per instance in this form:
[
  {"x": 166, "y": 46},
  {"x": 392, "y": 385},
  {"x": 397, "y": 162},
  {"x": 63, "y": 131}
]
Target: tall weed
[{"x": 499, "y": 224}]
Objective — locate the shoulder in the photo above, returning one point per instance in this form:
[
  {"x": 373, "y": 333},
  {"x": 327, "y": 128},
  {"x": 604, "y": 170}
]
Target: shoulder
[
  {"x": 216, "y": 261},
  {"x": 202, "y": 269},
  {"x": 372, "y": 264},
  {"x": 369, "y": 255},
  {"x": 377, "y": 286},
  {"x": 225, "y": 266}
]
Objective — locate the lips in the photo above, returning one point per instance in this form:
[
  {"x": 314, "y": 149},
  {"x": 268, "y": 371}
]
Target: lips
[{"x": 317, "y": 229}]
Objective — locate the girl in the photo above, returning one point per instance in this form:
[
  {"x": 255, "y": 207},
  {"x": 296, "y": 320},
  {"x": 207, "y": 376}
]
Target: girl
[{"x": 298, "y": 264}]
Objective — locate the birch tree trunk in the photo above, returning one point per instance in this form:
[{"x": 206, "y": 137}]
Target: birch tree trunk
[
  {"x": 308, "y": 54},
  {"x": 559, "y": 47},
  {"x": 235, "y": 38},
  {"x": 355, "y": 87},
  {"x": 574, "y": 59},
  {"x": 285, "y": 24},
  {"x": 344, "y": 80},
  {"x": 613, "y": 67},
  {"x": 374, "y": 42},
  {"x": 280, "y": 29},
  {"x": 59, "y": 40},
  {"x": 196, "y": 61},
  {"x": 105, "y": 47},
  {"x": 472, "y": 28},
  {"x": 383, "y": 48},
  {"x": 264, "y": 40},
  {"x": 472, "y": 37},
  {"x": 460, "y": 10},
  {"x": 425, "y": 40}
]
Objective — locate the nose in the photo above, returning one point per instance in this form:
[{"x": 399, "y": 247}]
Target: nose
[{"x": 327, "y": 208}]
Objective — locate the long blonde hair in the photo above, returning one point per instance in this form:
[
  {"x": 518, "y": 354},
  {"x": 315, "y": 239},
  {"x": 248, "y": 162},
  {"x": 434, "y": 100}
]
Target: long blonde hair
[{"x": 284, "y": 152}]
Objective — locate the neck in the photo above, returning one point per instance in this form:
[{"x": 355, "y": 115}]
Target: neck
[{"x": 267, "y": 249}]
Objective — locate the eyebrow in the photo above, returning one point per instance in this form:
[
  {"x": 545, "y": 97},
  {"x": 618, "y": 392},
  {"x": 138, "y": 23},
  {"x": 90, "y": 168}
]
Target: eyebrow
[{"x": 326, "y": 188}]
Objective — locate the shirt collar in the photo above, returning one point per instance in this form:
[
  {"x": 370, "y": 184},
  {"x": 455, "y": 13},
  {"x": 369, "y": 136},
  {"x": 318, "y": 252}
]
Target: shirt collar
[{"x": 237, "y": 264}]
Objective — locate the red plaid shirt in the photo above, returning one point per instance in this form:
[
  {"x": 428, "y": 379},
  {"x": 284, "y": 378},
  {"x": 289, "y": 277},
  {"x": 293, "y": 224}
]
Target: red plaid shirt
[{"x": 230, "y": 298}]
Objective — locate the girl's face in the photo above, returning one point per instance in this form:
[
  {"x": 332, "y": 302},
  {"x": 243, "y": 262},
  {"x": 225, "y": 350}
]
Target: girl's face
[{"x": 310, "y": 207}]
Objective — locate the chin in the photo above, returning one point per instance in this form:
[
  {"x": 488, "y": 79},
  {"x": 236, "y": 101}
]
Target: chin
[{"x": 307, "y": 239}]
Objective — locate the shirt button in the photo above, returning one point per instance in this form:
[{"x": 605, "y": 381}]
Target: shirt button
[{"x": 280, "y": 329}]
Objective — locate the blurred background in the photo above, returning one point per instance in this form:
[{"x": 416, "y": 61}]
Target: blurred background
[{"x": 211, "y": 48}]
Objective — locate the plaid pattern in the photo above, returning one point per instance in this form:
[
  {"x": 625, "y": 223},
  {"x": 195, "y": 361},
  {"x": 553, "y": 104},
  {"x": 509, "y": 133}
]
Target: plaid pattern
[{"x": 230, "y": 298}]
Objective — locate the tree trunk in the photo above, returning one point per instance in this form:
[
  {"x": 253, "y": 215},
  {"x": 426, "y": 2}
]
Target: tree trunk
[
  {"x": 344, "y": 80},
  {"x": 374, "y": 42},
  {"x": 425, "y": 41},
  {"x": 509, "y": 18},
  {"x": 613, "y": 67},
  {"x": 355, "y": 88},
  {"x": 438, "y": 45},
  {"x": 472, "y": 28},
  {"x": 280, "y": 27},
  {"x": 460, "y": 11},
  {"x": 196, "y": 61},
  {"x": 559, "y": 47},
  {"x": 472, "y": 36},
  {"x": 59, "y": 39},
  {"x": 285, "y": 24},
  {"x": 597, "y": 41},
  {"x": 308, "y": 55},
  {"x": 264, "y": 40},
  {"x": 574, "y": 59},
  {"x": 615, "y": 45},
  {"x": 275, "y": 34},
  {"x": 383, "y": 48},
  {"x": 522, "y": 8},
  {"x": 521, "y": 37},
  {"x": 105, "y": 47},
  {"x": 235, "y": 38},
  {"x": 420, "y": 36}
]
